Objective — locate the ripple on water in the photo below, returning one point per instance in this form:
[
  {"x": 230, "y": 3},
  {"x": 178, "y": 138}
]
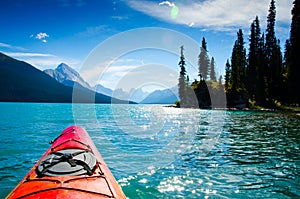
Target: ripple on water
[{"x": 196, "y": 153}]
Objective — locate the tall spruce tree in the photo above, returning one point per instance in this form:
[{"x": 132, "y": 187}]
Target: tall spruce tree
[
  {"x": 273, "y": 55},
  {"x": 234, "y": 75},
  {"x": 286, "y": 67},
  {"x": 227, "y": 75},
  {"x": 203, "y": 60},
  {"x": 253, "y": 58},
  {"x": 182, "y": 84},
  {"x": 238, "y": 65},
  {"x": 212, "y": 70},
  {"x": 262, "y": 71},
  {"x": 287, "y": 57},
  {"x": 293, "y": 65}
]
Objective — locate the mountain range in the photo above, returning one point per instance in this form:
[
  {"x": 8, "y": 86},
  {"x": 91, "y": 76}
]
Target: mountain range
[
  {"x": 22, "y": 82},
  {"x": 69, "y": 77},
  {"x": 166, "y": 96}
]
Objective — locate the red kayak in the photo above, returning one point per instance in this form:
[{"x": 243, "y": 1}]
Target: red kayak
[{"x": 71, "y": 168}]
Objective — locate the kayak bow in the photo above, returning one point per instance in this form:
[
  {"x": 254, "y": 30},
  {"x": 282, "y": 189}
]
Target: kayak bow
[{"x": 71, "y": 168}]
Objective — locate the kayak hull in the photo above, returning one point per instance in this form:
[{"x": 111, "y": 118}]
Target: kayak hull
[{"x": 59, "y": 174}]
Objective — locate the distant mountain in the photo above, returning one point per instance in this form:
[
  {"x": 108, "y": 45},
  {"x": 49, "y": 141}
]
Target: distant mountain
[
  {"x": 67, "y": 76},
  {"x": 101, "y": 89},
  {"x": 167, "y": 96},
  {"x": 135, "y": 95},
  {"x": 138, "y": 95},
  {"x": 21, "y": 82}
]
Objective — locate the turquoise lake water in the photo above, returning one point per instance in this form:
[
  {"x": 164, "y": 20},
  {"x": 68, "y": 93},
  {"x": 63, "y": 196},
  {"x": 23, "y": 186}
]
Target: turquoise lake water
[{"x": 159, "y": 152}]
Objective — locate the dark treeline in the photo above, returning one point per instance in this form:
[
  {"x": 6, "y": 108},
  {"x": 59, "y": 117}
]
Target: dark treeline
[{"x": 263, "y": 77}]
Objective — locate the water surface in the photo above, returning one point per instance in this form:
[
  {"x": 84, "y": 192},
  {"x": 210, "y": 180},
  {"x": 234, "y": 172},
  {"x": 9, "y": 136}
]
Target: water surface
[{"x": 157, "y": 152}]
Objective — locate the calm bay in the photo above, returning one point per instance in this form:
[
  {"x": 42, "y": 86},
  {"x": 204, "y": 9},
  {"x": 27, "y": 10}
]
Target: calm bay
[{"x": 160, "y": 152}]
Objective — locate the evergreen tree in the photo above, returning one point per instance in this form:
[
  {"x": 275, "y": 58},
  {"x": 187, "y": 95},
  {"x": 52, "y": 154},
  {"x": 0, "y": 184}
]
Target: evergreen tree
[
  {"x": 253, "y": 58},
  {"x": 190, "y": 97},
  {"x": 293, "y": 67},
  {"x": 287, "y": 56},
  {"x": 273, "y": 55},
  {"x": 203, "y": 61},
  {"x": 238, "y": 65},
  {"x": 182, "y": 79},
  {"x": 212, "y": 70},
  {"x": 234, "y": 75},
  {"x": 261, "y": 70},
  {"x": 227, "y": 75},
  {"x": 286, "y": 67}
]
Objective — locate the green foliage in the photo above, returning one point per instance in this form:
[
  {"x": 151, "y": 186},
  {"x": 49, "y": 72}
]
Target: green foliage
[
  {"x": 182, "y": 87},
  {"x": 263, "y": 78},
  {"x": 177, "y": 103},
  {"x": 292, "y": 56},
  {"x": 267, "y": 77},
  {"x": 261, "y": 88},
  {"x": 238, "y": 64},
  {"x": 273, "y": 56},
  {"x": 227, "y": 75},
  {"x": 203, "y": 61},
  {"x": 253, "y": 58},
  {"x": 212, "y": 70}
]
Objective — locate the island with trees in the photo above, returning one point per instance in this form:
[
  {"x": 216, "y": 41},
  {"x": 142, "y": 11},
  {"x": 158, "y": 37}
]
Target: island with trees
[{"x": 263, "y": 77}]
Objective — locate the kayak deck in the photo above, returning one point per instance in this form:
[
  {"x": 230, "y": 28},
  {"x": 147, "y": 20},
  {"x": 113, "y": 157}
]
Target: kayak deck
[{"x": 71, "y": 168}]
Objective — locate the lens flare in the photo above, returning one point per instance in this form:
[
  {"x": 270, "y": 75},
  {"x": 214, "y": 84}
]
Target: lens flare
[{"x": 174, "y": 12}]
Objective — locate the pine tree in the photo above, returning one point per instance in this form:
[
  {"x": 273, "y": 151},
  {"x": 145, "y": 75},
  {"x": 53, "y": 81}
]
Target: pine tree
[
  {"x": 287, "y": 56},
  {"x": 261, "y": 70},
  {"x": 253, "y": 58},
  {"x": 273, "y": 55},
  {"x": 203, "y": 61},
  {"x": 182, "y": 79},
  {"x": 238, "y": 64},
  {"x": 227, "y": 75},
  {"x": 212, "y": 70},
  {"x": 286, "y": 70},
  {"x": 293, "y": 67}
]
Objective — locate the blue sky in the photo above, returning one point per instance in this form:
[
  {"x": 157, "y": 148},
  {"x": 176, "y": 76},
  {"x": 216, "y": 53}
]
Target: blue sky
[{"x": 48, "y": 32}]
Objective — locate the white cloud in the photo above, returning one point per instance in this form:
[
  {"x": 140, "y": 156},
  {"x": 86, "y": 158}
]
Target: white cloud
[
  {"x": 219, "y": 15},
  {"x": 5, "y": 45},
  {"x": 168, "y": 3},
  {"x": 109, "y": 72},
  {"x": 191, "y": 24},
  {"x": 22, "y": 54},
  {"x": 41, "y": 36}
]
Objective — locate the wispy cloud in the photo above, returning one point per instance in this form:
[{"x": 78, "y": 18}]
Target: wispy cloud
[
  {"x": 8, "y": 46},
  {"x": 94, "y": 30},
  {"x": 43, "y": 61},
  {"x": 41, "y": 36},
  {"x": 217, "y": 15},
  {"x": 119, "y": 17},
  {"x": 128, "y": 73},
  {"x": 22, "y": 54},
  {"x": 109, "y": 72},
  {"x": 5, "y": 45}
]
